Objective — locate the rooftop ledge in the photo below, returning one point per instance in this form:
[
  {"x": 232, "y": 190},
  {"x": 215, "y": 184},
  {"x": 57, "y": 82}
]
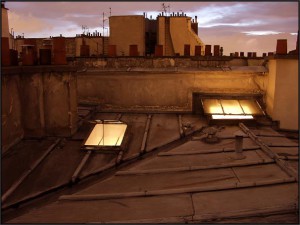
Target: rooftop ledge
[
  {"x": 296, "y": 57},
  {"x": 179, "y": 70},
  {"x": 37, "y": 69}
]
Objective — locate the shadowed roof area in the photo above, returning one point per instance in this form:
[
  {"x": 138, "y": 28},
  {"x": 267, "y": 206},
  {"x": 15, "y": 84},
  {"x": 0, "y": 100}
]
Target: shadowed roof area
[{"x": 167, "y": 174}]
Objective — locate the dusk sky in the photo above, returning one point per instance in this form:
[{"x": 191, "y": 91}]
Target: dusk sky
[{"x": 237, "y": 26}]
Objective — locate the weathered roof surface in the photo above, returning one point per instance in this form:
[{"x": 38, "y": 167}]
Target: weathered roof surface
[{"x": 181, "y": 179}]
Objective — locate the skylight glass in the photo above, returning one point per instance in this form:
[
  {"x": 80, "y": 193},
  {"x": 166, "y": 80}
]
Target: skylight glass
[
  {"x": 212, "y": 106},
  {"x": 106, "y": 134},
  {"x": 231, "y": 108}
]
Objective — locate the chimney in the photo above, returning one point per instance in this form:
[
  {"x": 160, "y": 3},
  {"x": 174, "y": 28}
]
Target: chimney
[
  {"x": 281, "y": 47},
  {"x": 208, "y": 50},
  {"x": 216, "y": 50},
  {"x": 196, "y": 19}
]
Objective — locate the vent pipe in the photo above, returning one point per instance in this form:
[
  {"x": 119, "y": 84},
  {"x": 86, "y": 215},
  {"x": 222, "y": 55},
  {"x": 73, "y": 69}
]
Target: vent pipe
[{"x": 239, "y": 147}]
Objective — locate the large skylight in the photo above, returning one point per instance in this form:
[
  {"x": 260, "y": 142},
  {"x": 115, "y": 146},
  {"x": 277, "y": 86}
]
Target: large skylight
[
  {"x": 231, "y": 108},
  {"x": 107, "y": 133}
]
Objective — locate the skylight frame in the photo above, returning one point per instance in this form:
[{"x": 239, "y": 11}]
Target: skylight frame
[
  {"x": 210, "y": 104},
  {"x": 107, "y": 148}
]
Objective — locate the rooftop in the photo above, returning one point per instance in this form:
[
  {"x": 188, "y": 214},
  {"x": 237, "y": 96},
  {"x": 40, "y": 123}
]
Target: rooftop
[{"x": 168, "y": 174}]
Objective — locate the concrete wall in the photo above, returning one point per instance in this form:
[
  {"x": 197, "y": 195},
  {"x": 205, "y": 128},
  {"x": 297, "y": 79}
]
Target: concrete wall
[
  {"x": 95, "y": 43},
  {"x": 125, "y": 31},
  {"x": 18, "y": 44},
  {"x": 161, "y": 91},
  {"x": 11, "y": 126},
  {"x": 282, "y": 92},
  {"x": 38, "y": 101},
  {"x": 70, "y": 47},
  {"x": 211, "y": 63},
  {"x": 182, "y": 26}
]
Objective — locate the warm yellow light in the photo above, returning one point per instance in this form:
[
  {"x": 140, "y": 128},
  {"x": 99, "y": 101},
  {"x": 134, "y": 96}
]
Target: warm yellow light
[
  {"x": 247, "y": 110},
  {"x": 107, "y": 135},
  {"x": 251, "y": 107},
  {"x": 215, "y": 109},
  {"x": 212, "y": 106},
  {"x": 231, "y": 107},
  {"x": 232, "y": 117}
]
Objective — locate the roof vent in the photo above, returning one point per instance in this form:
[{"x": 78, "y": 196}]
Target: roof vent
[{"x": 211, "y": 136}]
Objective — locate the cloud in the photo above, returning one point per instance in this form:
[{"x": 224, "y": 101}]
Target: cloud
[
  {"x": 261, "y": 32},
  {"x": 240, "y": 24},
  {"x": 20, "y": 23}
]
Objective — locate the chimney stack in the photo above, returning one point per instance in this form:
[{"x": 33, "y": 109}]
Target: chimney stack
[{"x": 281, "y": 47}]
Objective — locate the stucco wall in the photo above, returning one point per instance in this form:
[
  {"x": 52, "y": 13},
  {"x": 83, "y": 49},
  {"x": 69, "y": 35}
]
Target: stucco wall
[
  {"x": 95, "y": 43},
  {"x": 125, "y": 31},
  {"x": 182, "y": 26},
  {"x": 5, "y": 25},
  {"x": 282, "y": 92},
  {"x": 156, "y": 90}
]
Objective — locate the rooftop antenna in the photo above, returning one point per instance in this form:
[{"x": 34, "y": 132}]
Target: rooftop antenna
[
  {"x": 104, "y": 19},
  {"x": 84, "y": 28},
  {"x": 165, "y": 7}
]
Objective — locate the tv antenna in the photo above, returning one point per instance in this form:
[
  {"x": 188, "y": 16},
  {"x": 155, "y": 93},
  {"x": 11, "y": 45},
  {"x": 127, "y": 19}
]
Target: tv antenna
[
  {"x": 84, "y": 28},
  {"x": 165, "y": 7}
]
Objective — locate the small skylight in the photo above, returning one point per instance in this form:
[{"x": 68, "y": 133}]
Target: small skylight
[
  {"x": 106, "y": 133},
  {"x": 231, "y": 108}
]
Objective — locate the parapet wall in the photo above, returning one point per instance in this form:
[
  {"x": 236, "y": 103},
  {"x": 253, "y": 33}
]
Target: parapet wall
[
  {"x": 159, "y": 91},
  {"x": 165, "y": 62},
  {"x": 38, "y": 101}
]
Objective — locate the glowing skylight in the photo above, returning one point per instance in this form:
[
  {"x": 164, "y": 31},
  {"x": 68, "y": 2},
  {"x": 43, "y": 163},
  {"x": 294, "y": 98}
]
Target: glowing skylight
[
  {"x": 231, "y": 108},
  {"x": 106, "y": 134}
]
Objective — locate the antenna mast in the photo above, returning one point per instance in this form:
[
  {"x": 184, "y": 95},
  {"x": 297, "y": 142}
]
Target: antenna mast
[{"x": 165, "y": 7}]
